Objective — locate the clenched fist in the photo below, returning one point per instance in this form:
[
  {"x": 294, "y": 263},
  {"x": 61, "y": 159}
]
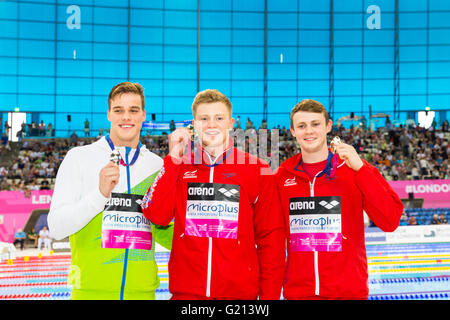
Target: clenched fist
[{"x": 178, "y": 140}]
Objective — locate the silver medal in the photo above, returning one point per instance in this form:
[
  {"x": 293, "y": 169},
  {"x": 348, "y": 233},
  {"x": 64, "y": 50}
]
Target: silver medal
[
  {"x": 335, "y": 142},
  {"x": 115, "y": 156}
]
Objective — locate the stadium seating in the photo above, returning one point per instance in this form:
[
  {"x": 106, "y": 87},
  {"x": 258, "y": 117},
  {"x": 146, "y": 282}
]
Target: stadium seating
[{"x": 425, "y": 215}]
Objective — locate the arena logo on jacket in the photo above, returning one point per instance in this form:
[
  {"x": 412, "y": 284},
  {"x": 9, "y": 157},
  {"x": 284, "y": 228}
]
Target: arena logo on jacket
[
  {"x": 212, "y": 210},
  {"x": 315, "y": 224},
  {"x": 124, "y": 225}
]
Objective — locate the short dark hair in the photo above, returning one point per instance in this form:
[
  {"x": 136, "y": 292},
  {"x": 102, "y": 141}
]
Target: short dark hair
[
  {"x": 126, "y": 87},
  {"x": 309, "y": 105}
]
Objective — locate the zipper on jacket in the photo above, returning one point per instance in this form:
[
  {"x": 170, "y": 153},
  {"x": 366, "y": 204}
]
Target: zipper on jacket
[
  {"x": 212, "y": 161},
  {"x": 125, "y": 259},
  {"x": 208, "y": 274},
  {"x": 316, "y": 272},
  {"x": 316, "y": 253}
]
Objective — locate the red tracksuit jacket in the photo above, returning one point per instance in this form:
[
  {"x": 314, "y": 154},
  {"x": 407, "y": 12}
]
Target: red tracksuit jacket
[
  {"x": 338, "y": 268},
  {"x": 239, "y": 258}
]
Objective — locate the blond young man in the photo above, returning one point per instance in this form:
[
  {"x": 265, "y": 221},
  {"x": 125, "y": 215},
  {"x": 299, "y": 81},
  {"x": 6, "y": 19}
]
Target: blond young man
[{"x": 229, "y": 240}]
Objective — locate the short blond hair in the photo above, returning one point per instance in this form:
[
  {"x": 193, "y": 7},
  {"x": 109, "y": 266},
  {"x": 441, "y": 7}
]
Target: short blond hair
[
  {"x": 309, "y": 105},
  {"x": 211, "y": 96},
  {"x": 126, "y": 87}
]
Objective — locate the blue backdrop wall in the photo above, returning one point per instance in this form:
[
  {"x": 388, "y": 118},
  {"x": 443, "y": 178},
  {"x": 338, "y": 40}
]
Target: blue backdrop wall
[{"x": 61, "y": 57}]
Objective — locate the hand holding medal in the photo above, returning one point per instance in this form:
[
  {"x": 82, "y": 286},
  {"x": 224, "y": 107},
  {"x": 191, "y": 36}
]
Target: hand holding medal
[
  {"x": 179, "y": 140},
  {"x": 347, "y": 153},
  {"x": 190, "y": 127},
  {"x": 335, "y": 142},
  {"x": 109, "y": 175}
]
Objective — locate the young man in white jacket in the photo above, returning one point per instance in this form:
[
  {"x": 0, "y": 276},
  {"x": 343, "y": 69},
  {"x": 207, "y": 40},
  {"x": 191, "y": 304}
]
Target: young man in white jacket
[{"x": 96, "y": 202}]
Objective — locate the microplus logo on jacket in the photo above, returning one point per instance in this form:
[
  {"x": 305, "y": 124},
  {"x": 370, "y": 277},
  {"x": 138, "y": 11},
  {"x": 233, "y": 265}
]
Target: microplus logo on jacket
[
  {"x": 123, "y": 224},
  {"x": 315, "y": 224},
  {"x": 212, "y": 210}
]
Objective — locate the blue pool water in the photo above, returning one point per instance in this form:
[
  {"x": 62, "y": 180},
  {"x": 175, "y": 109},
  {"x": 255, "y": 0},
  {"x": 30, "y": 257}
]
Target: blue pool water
[{"x": 396, "y": 272}]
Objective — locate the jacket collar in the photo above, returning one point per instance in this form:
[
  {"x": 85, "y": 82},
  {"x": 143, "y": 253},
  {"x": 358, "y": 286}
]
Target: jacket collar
[
  {"x": 201, "y": 156},
  {"x": 294, "y": 165}
]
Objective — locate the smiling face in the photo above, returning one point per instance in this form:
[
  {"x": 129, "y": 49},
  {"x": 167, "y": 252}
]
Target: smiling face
[
  {"x": 310, "y": 129},
  {"x": 212, "y": 122},
  {"x": 126, "y": 115}
]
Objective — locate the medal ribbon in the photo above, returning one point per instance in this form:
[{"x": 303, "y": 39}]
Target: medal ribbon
[
  {"x": 331, "y": 166},
  {"x": 136, "y": 154}
]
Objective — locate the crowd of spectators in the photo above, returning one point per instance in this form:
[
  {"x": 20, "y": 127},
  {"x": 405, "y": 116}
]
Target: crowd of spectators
[
  {"x": 399, "y": 153},
  {"x": 36, "y": 164},
  {"x": 403, "y": 153}
]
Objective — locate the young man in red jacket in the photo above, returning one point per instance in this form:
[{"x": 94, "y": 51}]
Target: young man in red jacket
[
  {"x": 229, "y": 239},
  {"x": 323, "y": 194}
]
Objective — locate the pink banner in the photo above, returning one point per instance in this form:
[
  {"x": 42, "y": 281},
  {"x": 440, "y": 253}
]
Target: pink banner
[
  {"x": 16, "y": 208},
  {"x": 436, "y": 193}
]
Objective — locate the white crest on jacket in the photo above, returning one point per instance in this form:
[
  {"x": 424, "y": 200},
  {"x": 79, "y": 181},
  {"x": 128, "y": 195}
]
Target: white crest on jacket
[
  {"x": 290, "y": 182},
  {"x": 190, "y": 174}
]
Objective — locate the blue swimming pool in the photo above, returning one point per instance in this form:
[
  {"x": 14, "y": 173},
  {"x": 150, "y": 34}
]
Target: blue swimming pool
[{"x": 396, "y": 272}]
